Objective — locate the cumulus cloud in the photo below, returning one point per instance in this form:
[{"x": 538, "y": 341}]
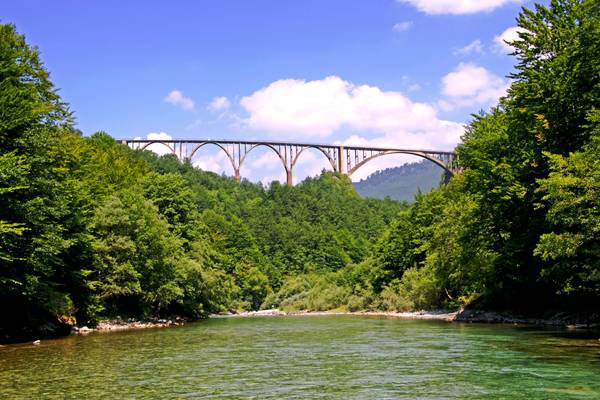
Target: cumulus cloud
[
  {"x": 310, "y": 163},
  {"x": 402, "y": 26},
  {"x": 159, "y": 149},
  {"x": 177, "y": 98},
  {"x": 299, "y": 108},
  {"x": 211, "y": 158},
  {"x": 219, "y": 104},
  {"x": 456, "y": 6},
  {"x": 475, "y": 47},
  {"x": 159, "y": 136},
  {"x": 267, "y": 160},
  {"x": 509, "y": 35},
  {"x": 471, "y": 85},
  {"x": 409, "y": 85},
  {"x": 307, "y": 110},
  {"x": 317, "y": 109}
]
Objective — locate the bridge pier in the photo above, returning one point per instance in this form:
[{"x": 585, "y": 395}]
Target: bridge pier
[
  {"x": 290, "y": 180},
  {"x": 342, "y": 161},
  {"x": 238, "y": 177}
]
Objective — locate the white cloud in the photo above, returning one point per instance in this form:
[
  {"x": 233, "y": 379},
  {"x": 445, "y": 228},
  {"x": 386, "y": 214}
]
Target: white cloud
[
  {"x": 298, "y": 107},
  {"x": 300, "y": 110},
  {"x": 409, "y": 85},
  {"x": 509, "y": 35},
  {"x": 456, "y": 6},
  {"x": 475, "y": 47},
  {"x": 219, "y": 104},
  {"x": 304, "y": 110},
  {"x": 159, "y": 136},
  {"x": 177, "y": 98},
  {"x": 413, "y": 87},
  {"x": 316, "y": 109},
  {"x": 211, "y": 158},
  {"x": 159, "y": 149},
  {"x": 402, "y": 26},
  {"x": 471, "y": 85},
  {"x": 268, "y": 160},
  {"x": 310, "y": 163}
]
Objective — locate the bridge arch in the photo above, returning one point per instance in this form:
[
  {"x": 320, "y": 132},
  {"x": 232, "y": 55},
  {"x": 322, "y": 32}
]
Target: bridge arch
[
  {"x": 328, "y": 156},
  {"x": 236, "y": 170},
  {"x": 146, "y": 145},
  {"x": 277, "y": 152},
  {"x": 439, "y": 163}
]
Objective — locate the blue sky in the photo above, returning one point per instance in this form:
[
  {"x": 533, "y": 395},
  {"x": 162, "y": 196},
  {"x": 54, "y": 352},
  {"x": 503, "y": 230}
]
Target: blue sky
[{"x": 402, "y": 73}]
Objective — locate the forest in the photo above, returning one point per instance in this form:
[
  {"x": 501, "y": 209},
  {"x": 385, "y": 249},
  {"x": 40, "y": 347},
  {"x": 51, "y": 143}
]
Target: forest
[{"x": 90, "y": 229}]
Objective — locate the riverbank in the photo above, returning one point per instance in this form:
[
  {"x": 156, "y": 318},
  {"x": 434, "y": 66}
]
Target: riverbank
[
  {"x": 579, "y": 320},
  {"x": 114, "y": 325},
  {"x": 566, "y": 320}
]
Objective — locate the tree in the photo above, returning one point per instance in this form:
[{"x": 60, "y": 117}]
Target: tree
[
  {"x": 572, "y": 248},
  {"x": 27, "y": 96},
  {"x": 138, "y": 256}
]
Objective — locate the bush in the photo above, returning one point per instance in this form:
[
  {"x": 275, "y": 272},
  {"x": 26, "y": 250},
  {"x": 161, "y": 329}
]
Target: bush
[
  {"x": 390, "y": 298},
  {"x": 420, "y": 287}
]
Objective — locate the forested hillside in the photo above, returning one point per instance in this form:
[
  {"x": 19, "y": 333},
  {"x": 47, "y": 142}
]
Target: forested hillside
[
  {"x": 90, "y": 229},
  {"x": 518, "y": 228},
  {"x": 401, "y": 183}
]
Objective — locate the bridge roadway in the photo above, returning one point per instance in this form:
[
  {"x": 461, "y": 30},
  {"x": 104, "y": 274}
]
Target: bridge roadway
[{"x": 343, "y": 159}]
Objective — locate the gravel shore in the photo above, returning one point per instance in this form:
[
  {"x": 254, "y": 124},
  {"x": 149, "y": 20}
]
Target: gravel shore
[{"x": 568, "y": 320}]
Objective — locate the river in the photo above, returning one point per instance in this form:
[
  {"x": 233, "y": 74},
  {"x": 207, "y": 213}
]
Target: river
[{"x": 308, "y": 357}]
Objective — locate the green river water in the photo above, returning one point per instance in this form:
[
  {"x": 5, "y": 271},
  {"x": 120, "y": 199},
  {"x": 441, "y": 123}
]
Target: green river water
[{"x": 308, "y": 357}]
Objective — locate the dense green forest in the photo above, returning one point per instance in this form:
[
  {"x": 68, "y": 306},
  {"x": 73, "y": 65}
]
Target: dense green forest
[
  {"x": 401, "y": 183},
  {"x": 91, "y": 229}
]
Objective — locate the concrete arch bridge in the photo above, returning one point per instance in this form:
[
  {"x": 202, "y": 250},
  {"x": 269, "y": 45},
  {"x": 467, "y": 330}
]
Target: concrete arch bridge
[{"x": 343, "y": 159}]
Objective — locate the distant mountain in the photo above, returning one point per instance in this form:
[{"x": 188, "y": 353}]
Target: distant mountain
[{"x": 401, "y": 183}]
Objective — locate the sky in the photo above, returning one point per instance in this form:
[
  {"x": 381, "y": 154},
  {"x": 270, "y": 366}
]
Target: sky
[{"x": 393, "y": 73}]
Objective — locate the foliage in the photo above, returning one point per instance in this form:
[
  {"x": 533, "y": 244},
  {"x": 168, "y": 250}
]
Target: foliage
[
  {"x": 516, "y": 229},
  {"x": 92, "y": 229},
  {"x": 573, "y": 192}
]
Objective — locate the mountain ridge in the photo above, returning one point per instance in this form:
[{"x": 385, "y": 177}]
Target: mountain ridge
[{"x": 401, "y": 183}]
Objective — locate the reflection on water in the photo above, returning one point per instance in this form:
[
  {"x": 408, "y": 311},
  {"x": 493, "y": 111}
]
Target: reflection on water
[{"x": 328, "y": 357}]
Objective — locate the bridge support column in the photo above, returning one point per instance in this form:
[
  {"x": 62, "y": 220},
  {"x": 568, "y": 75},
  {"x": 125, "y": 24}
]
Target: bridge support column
[
  {"x": 447, "y": 177},
  {"x": 238, "y": 177},
  {"x": 342, "y": 161},
  {"x": 290, "y": 180}
]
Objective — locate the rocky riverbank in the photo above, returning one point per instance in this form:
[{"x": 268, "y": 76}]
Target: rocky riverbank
[
  {"x": 558, "y": 319},
  {"x": 114, "y": 325},
  {"x": 579, "y": 320}
]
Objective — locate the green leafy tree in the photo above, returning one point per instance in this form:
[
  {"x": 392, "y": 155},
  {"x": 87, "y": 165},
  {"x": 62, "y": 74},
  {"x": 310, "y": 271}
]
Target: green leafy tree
[
  {"x": 573, "y": 193},
  {"x": 27, "y": 96},
  {"x": 138, "y": 256}
]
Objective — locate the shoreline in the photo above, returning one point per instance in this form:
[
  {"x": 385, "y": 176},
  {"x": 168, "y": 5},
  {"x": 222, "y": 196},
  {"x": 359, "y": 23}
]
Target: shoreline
[
  {"x": 557, "y": 319},
  {"x": 563, "y": 320},
  {"x": 115, "y": 325}
]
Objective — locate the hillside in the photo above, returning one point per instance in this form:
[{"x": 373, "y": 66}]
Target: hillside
[{"x": 401, "y": 183}]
